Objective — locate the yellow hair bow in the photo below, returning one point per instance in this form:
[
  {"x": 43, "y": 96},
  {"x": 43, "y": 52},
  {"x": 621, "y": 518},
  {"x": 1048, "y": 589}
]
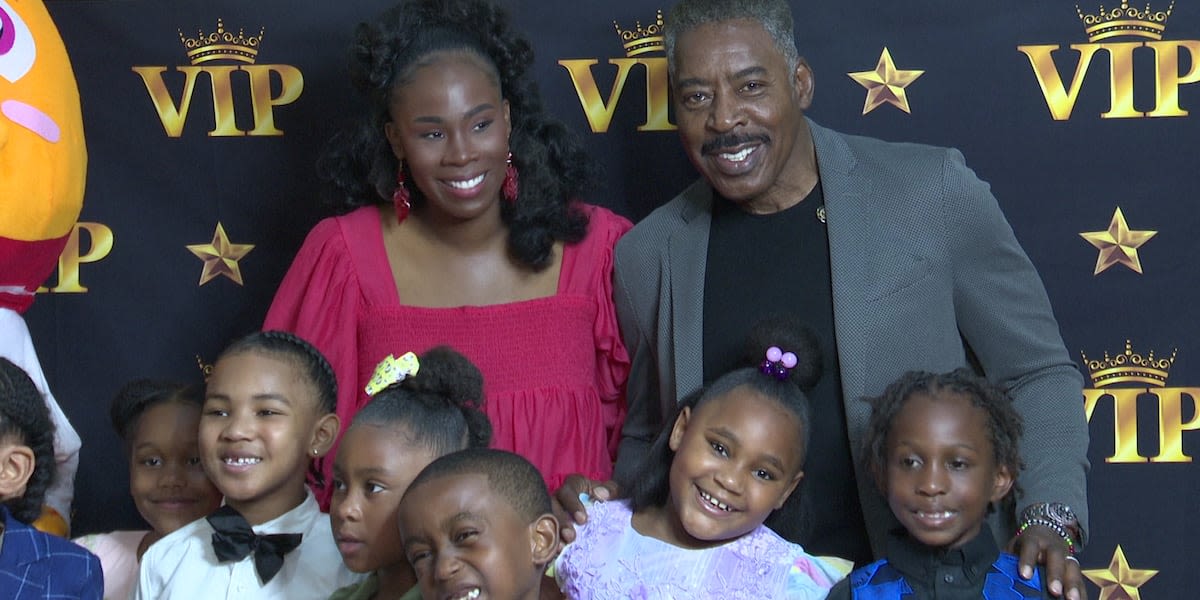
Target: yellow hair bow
[{"x": 392, "y": 370}]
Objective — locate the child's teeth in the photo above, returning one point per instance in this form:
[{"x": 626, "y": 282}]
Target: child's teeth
[
  {"x": 714, "y": 501},
  {"x": 242, "y": 461}
]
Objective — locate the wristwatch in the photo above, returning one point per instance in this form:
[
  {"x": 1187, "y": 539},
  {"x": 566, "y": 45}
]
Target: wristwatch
[{"x": 1056, "y": 516}]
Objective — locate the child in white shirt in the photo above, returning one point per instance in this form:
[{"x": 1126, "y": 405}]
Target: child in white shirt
[{"x": 268, "y": 411}]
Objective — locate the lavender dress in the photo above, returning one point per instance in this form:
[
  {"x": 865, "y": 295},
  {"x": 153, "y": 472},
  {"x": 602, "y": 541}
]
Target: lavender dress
[{"x": 609, "y": 559}]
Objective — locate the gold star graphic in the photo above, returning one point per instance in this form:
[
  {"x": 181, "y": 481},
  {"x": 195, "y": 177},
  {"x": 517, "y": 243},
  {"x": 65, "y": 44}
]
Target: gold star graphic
[
  {"x": 1118, "y": 581},
  {"x": 1118, "y": 245},
  {"x": 220, "y": 257},
  {"x": 885, "y": 85}
]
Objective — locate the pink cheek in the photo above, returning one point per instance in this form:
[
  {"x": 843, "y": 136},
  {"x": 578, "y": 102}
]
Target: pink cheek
[{"x": 32, "y": 119}]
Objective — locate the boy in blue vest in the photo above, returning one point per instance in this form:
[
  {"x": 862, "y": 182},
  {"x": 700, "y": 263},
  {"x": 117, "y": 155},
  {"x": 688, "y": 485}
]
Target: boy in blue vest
[
  {"x": 943, "y": 450},
  {"x": 33, "y": 565}
]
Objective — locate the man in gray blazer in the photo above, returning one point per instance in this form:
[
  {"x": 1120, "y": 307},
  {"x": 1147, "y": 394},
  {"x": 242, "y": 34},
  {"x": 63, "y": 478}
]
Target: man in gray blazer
[{"x": 920, "y": 271}]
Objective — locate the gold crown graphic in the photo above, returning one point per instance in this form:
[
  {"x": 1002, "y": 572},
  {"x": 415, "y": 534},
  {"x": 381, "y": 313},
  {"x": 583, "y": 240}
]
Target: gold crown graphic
[
  {"x": 222, "y": 45},
  {"x": 1130, "y": 367},
  {"x": 641, "y": 40},
  {"x": 1125, "y": 20},
  {"x": 205, "y": 368}
]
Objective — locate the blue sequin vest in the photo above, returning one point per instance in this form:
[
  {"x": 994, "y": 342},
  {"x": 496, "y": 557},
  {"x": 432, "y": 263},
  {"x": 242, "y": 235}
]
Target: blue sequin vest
[{"x": 881, "y": 581}]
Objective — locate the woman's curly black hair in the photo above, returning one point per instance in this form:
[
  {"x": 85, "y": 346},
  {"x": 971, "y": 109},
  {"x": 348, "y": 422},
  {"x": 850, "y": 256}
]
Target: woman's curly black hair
[
  {"x": 554, "y": 171},
  {"x": 25, "y": 420},
  {"x": 440, "y": 408},
  {"x": 1003, "y": 422},
  {"x": 650, "y": 484}
]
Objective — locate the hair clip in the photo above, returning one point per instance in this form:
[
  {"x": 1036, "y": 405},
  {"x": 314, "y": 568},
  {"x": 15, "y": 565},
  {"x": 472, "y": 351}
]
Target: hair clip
[
  {"x": 778, "y": 363},
  {"x": 392, "y": 370}
]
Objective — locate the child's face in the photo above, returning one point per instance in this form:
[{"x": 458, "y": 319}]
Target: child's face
[
  {"x": 259, "y": 429},
  {"x": 373, "y": 469},
  {"x": 737, "y": 458},
  {"x": 941, "y": 472},
  {"x": 466, "y": 542},
  {"x": 166, "y": 480}
]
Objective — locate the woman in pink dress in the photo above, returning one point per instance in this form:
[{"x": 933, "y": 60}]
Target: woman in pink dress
[{"x": 461, "y": 226}]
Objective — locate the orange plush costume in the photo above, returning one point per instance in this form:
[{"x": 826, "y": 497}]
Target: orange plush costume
[{"x": 43, "y": 164}]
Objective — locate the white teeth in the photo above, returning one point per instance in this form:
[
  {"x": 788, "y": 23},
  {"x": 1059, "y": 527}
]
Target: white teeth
[
  {"x": 739, "y": 156},
  {"x": 714, "y": 501},
  {"x": 471, "y": 595},
  {"x": 243, "y": 461},
  {"x": 466, "y": 185},
  {"x": 945, "y": 514}
]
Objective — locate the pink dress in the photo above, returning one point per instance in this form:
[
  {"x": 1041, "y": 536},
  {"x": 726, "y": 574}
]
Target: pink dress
[{"x": 554, "y": 368}]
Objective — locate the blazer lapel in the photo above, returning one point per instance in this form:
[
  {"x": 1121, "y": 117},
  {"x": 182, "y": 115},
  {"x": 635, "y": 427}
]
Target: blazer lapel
[
  {"x": 687, "y": 258},
  {"x": 852, "y": 229},
  {"x": 854, "y": 238}
]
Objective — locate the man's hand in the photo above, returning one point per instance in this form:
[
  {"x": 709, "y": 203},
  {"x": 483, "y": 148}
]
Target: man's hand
[
  {"x": 569, "y": 508},
  {"x": 1041, "y": 545}
]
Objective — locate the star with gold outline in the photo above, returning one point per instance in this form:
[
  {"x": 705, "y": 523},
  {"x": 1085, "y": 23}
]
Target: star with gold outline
[
  {"x": 1118, "y": 581},
  {"x": 885, "y": 85},
  {"x": 220, "y": 257},
  {"x": 1118, "y": 245}
]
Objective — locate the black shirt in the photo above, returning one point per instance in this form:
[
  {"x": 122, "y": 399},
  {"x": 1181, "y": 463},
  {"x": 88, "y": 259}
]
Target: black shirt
[{"x": 778, "y": 264}]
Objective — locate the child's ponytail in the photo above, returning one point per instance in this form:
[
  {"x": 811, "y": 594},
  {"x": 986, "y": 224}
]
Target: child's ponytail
[{"x": 440, "y": 406}]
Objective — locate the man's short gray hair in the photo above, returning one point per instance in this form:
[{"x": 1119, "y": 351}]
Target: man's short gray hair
[{"x": 775, "y": 16}]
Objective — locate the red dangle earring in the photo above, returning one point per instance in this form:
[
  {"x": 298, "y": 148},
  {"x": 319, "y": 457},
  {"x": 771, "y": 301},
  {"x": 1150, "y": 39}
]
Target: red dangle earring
[
  {"x": 509, "y": 188},
  {"x": 400, "y": 195}
]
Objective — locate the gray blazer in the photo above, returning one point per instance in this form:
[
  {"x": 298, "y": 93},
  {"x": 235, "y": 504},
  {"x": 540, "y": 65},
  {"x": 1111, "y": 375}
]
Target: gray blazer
[{"x": 927, "y": 274}]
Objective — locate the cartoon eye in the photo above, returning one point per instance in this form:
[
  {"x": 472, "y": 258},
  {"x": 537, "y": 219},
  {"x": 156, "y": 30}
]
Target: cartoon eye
[{"x": 17, "y": 48}]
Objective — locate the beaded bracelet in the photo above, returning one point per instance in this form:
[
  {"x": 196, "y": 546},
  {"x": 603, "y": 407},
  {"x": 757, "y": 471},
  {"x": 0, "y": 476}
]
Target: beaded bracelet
[{"x": 1053, "y": 527}]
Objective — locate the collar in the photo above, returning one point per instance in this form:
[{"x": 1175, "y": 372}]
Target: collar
[
  {"x": 296, "y": 520},
  {"x": 18, "y": 545},
  {"x": 917, "y": 560}
]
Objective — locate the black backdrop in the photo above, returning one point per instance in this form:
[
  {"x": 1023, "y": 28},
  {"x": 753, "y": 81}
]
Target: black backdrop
[{"x": 130, "y": 299}]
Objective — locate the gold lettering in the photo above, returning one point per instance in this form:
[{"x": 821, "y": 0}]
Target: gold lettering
[
  {"x": 71, "y": 257},
  {"x": 291, "y": 84},
  {"x": 1059, "y": 100},
  {"x": 1121, "y": 81},
  {"x": 658, "y": 97},
  {"x": 1125, "y": 432},
  {"x": 1168, "y": 79},
  {"x": 1171, "y": 424},
  {"x": 172, "y": 117},
  {"x": 599, "y": 113},
  {"x": 225, "y": 124}
]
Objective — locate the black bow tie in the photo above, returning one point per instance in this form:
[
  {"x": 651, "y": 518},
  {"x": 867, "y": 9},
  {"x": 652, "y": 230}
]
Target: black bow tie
[{"x": 235, "y": 540}]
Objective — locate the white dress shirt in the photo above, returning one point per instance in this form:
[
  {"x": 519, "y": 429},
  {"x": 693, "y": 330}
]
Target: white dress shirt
[{"x": 183, "y": 564}]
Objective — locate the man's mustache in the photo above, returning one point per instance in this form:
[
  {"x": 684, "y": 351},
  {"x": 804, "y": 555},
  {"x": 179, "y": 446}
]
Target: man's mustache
[{"x": 731, "y": 140}]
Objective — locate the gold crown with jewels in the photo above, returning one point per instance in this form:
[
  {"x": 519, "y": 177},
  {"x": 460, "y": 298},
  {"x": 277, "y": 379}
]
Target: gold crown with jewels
[
  {"x": 1130, "y": 367},
  {"x": 641, "y": 40},
  {"x": 1126, "y": 20},
  {"x": 222, "y": 45}
]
